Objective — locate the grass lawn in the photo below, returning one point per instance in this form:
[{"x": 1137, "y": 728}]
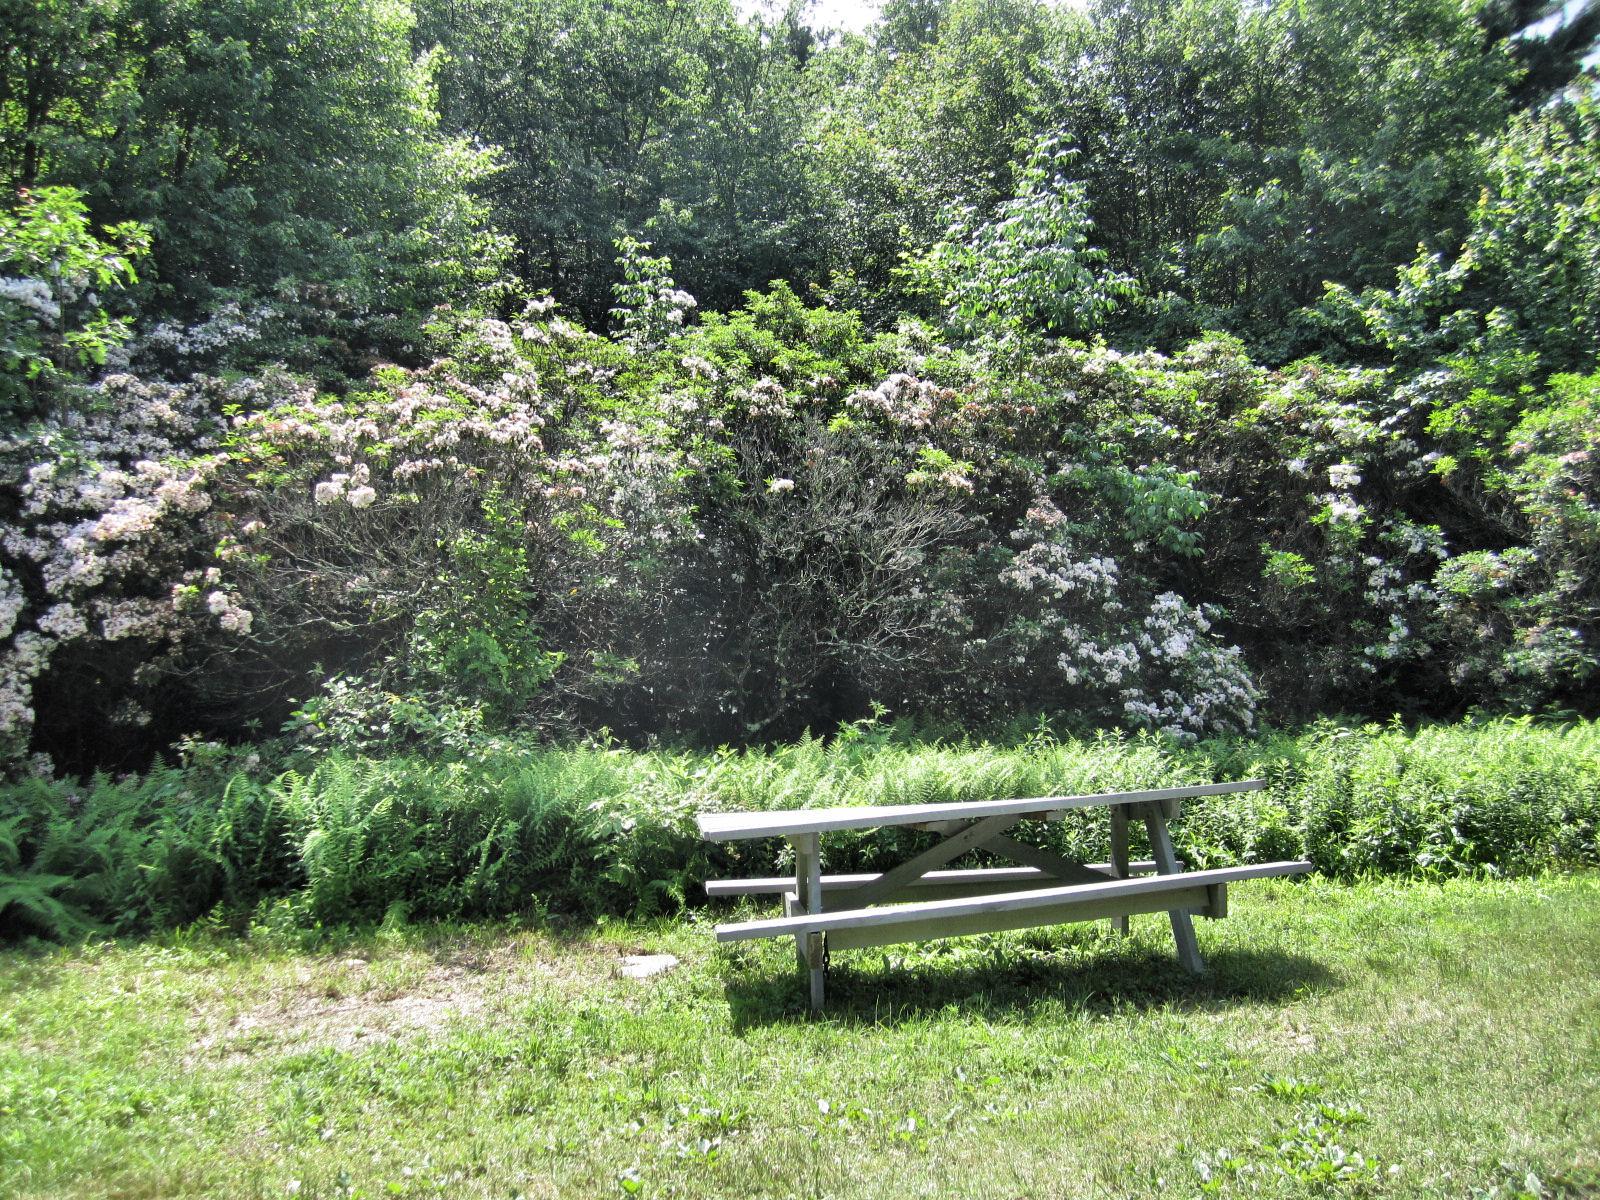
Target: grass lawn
[{"x": 1392, "y": 1039}]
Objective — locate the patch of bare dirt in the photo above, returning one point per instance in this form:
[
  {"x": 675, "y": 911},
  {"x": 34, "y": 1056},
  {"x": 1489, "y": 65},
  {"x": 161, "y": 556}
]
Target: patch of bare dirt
[{"x": 350, "y": 1003}]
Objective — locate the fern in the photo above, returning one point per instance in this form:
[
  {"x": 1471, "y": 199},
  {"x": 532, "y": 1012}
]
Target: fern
[
  {"x": 587, "y": 830},
  {"x": 29, "y": 900}
]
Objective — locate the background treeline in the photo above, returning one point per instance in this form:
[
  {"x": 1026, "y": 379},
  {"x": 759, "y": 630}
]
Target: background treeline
[
  {"x": 417, "y": 372},
  {"x": 1234, "y": 157}
]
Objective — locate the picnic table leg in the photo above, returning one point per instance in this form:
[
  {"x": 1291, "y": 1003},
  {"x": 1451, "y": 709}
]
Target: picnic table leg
[
  {"x": 1155, "y": 824},
  {"x": 1119, "y": 857},
  {"x": 808, "y": 896}
]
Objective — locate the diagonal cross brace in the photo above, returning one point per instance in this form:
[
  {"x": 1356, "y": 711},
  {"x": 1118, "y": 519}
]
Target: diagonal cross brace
[
  {"x": 1048, "y": 861},
  {"x": 957, "y": 844}
]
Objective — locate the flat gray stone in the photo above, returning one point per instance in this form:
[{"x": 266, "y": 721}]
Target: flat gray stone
[{"x": 643, "y": 966}]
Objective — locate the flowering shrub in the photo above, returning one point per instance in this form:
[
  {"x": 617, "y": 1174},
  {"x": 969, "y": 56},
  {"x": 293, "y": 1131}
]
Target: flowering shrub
[
  {"x": 1521, "y": 620},
  {"x": 102, "y": 552},
  {"x": 928, "y": 534},
  {"x": 1142, "y": 661},
  {"x": 461, "y": 519},
  {"x": 323, "y": 334},
  {"x": 768, "y": 520}
]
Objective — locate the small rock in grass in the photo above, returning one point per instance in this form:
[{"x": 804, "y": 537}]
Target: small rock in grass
[{"x": 643, "y": 966}]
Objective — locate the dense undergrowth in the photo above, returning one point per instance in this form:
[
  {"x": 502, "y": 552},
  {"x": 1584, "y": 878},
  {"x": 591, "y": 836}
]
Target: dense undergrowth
[{"x": 596, "y": 829}]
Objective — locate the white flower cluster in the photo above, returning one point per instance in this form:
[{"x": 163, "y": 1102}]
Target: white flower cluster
[
  {"x": 1048, "y": 564},
  {"x": 12, "y": 602},
  {"x": 63, "y": 622},
  {"x": 1200, "y": 687},
  {"x": 699, "y": 368},
  {"x": 31, "y": 294},
  {"x": 1343, "y": 476},
  {"x": 1343, "y": 511},
  {"x": 1162, "y": 670},
  {"x": 903, "y": 400},
  {"x": 114, "y": 499},
  {"x": 1051, "y": 568},
  {"x": 229, "y": 611},
  {"x": 230, "y": 326},
  {"x": 435, "y": 425},
  {"x": 22, "y": 663},
  {"x": 1098, "y": 361},
  {"x": 675, "y": 303},
  {"x": 768, "y": 398},
  {"x": 1395, "y": 588},
  {"x": 350, "y": 486},
  {"x": 1094, "y": 663}
]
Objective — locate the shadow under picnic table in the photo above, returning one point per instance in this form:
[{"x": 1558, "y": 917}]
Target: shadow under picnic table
[{"x": 885, "y": 987}]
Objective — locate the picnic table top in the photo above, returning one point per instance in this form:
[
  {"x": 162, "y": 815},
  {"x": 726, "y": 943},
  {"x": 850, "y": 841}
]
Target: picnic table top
[{"x": 735, "y": 826}]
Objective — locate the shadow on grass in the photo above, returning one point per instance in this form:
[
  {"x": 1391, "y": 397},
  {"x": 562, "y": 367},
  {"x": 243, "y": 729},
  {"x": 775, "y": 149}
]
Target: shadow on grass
[{"x": 885, "y": 989}]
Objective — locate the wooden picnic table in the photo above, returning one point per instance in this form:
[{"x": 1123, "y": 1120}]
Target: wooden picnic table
[{"x": 916, "y": 899}]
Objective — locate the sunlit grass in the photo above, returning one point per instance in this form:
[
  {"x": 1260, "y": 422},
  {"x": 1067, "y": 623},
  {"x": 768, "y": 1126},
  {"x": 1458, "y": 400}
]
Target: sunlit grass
[{"x": 1391, "y": 1039}]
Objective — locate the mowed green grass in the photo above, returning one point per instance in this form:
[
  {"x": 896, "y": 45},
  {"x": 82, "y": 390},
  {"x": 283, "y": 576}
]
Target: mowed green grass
[{"x": 1384, "y": 1039}]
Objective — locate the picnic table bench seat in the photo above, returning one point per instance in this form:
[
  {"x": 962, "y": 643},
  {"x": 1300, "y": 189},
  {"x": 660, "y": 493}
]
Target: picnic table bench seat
[
  {"x": 935, "y": 885},
  {"x": 917, "y": 899}
]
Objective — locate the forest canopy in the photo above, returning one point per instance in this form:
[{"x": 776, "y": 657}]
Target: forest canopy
[{"x": 397, "y": 373}]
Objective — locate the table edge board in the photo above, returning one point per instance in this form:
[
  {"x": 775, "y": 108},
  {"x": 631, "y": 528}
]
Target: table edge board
[{"x": 739, "y": 826}]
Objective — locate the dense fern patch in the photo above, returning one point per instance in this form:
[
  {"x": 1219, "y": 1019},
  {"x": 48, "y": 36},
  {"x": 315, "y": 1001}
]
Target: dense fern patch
[{"x": 581, "y": 831}]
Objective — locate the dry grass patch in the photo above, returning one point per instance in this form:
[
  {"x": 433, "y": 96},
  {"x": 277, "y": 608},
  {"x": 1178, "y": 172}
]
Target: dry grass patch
[{"x": 383, "y": 992}]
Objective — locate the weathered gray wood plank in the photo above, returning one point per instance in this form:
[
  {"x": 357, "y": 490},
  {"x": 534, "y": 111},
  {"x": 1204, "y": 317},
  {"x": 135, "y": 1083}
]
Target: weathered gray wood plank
[
  {"x": 997, "y": 920},
  {"x": 808, "y": 901},
  {"x": 1120, "y": 866},
  {"x": 954, "y": 846},
  {"x": 776, "y": 885},
  {"x": 1155, "y": 824},
  {"x": 1216, "y": 902},
  {"x": 1040, "y": 898},
  {"x": 723, "y": 827},
  {"x": 1047, "y": 861}
]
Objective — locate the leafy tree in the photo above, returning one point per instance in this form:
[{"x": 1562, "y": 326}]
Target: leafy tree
[
  {"x": 1549, "y": 39},
  {"x": 1030, "y": 265},
  {"x": 1521, "y": 289},
  {"x": 54, "y": 264},
  {"x": 672, "y": 121},
  {"x": 1175, "y": 107},
  {"x": 266, "y": 144},
  {"x": 906, "y": 26},
  {"x": 1238, "y": 156},
  {"x": 959, "y": 108},
  {"x": 61, "y": 78},
  {"x": 927, "y": 118}
]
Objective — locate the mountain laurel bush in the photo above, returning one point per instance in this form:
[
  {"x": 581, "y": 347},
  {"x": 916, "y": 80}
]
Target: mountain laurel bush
[{"x": 734, "y": 530}]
